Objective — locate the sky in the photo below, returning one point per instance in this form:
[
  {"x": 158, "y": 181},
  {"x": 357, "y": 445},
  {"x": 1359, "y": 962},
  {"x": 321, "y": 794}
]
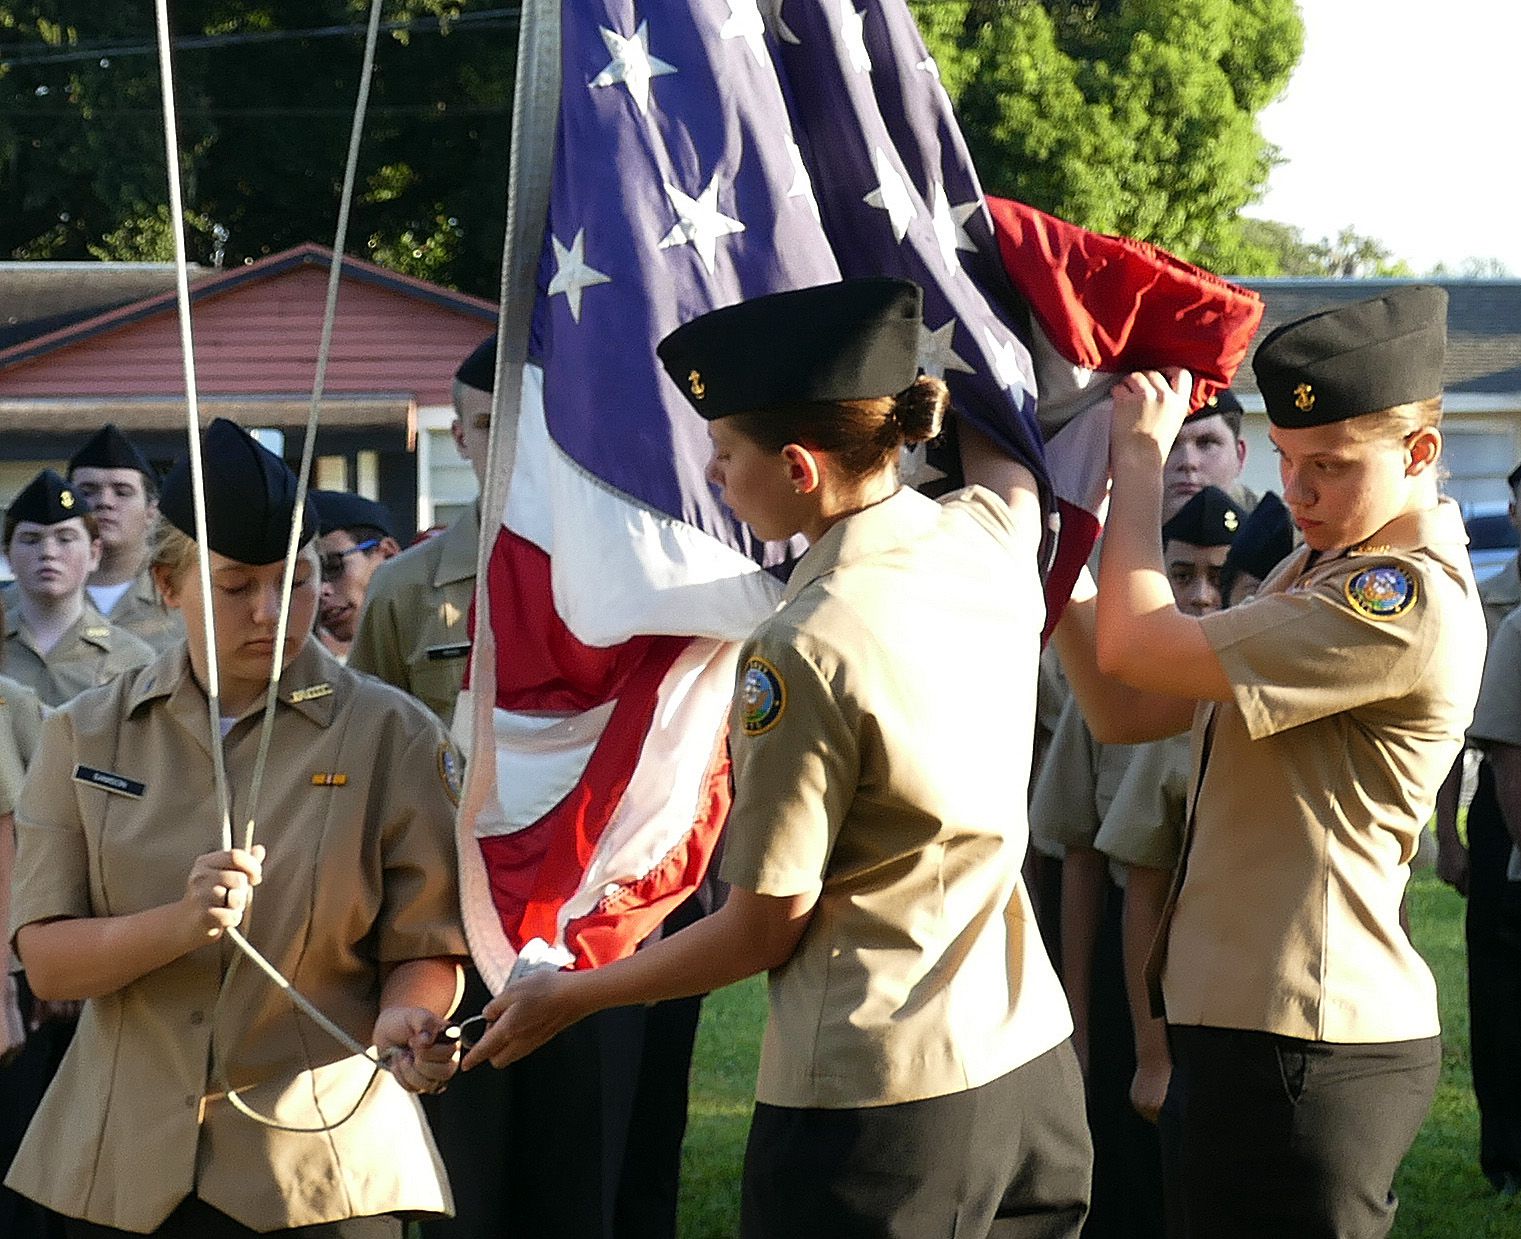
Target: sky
[{"x": 1403, "y": 120}]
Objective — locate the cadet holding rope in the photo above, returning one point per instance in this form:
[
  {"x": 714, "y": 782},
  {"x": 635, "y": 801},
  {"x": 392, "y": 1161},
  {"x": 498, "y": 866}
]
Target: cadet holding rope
[{"x": 141, "y": 1130}]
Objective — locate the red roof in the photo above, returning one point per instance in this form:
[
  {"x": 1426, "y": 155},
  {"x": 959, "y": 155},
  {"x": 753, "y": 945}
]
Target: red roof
[{"x": 256, "y": 331}]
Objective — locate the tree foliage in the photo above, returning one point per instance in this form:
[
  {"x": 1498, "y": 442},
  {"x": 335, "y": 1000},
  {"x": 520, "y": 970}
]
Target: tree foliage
[
  {"x": 1350, "y": 255},
  {"x": 1126, "y": 116},
  {"x": 264, "y": 130},
  {"x": 1130, "y": 116}
]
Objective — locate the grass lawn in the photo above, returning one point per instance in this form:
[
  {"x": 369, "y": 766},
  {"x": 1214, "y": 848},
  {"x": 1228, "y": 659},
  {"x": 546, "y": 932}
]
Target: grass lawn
[{"x": 1442, "y": 1193}]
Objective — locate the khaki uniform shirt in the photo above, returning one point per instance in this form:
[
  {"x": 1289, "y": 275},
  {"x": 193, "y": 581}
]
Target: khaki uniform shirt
[
  {"x": 1077, "y": 783},
  {"x": 1353, "y": 680},
  {"x": 357, "y": 814},
  {"x": 1497, "y": 717},
  {"x": 93, "y": 651},
  {"x": 20, "y": 728},
  {"x": 1500, "y": 594},
  {"x": 414, "y": 632},
  {"x": 881, "y": 743},
  {"x": 1144, "y": 823},
  {"x": 141, "y": 611}
]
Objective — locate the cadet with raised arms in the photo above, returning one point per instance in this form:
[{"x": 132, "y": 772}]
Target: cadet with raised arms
[{"x": 1325, "y": 712}]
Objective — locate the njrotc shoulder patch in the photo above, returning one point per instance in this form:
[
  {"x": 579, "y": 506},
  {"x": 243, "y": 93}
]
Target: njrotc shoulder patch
[
  {"x": 1382, "y": 593},
  {"x": 449, "y": 771},
  {"x": 762, "y": 697}
]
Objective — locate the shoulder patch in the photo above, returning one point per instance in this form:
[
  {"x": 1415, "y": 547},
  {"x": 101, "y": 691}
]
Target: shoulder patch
[
  {"x": 449, "y": 771},
  {"x": 1382, "y": 593},
  {"x": 762, "y": 697}
]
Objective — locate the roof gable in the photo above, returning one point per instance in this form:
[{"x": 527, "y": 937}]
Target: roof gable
[{"x": 257, "y": 330}]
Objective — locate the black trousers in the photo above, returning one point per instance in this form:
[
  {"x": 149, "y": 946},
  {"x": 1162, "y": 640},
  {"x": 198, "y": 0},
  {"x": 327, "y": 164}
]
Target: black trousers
[
  {"x": 22, "y": 1084},
  {"x": 1269, "y": 1137},
  {"x": 535, "y": 1150},
  {"x": 195, "y": 1219},
  {"x": 1127, "y": 1155},
  {"x": 1010, "y": 1159},
  {"x": 1493, "y": 926}
]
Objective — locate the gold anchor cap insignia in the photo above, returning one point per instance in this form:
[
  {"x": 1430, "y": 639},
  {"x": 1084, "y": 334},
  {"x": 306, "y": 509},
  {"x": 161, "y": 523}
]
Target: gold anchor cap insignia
[
  {"x": 1232, "y": 522},
  {"x": 66, "y": 498},
  {"x": 696, "y": 386},
  {"x": 1304, "y": 397}
]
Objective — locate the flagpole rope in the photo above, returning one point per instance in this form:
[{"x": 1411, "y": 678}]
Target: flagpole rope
[{"x": 198, "y": 483}]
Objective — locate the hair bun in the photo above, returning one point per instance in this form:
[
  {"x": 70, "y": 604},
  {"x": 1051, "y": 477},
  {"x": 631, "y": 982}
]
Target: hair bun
[{"x": 920, "y": 409}]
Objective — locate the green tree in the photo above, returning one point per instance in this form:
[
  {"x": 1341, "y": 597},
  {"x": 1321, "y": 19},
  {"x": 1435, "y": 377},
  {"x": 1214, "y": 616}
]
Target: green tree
[
  {"x": 1127, "y": 116},
  {"x": 264, "y": 127},
  {"x": 1349, "y": 256}
]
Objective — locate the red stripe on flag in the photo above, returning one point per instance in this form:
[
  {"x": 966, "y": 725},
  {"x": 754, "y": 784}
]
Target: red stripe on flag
[
  {"x": 1117, "y": 304},
  {"x": 540, "y": 666},
  {"x": 621, "y": 922}
]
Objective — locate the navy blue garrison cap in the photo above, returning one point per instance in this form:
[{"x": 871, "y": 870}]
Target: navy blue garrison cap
[
  {"x": 341, "y": 509},
  {"x": 853, "y": 340},
  {"x": 1210, "y": 518},
  {"x": 108, "y": 448},
  {"x": 46, "y": 500},
  {"x": 1265, "y": 539},
  {"x": 1354, "y": 359},
  {"x": 479, "y": 369},
  {"x": 250, "y": 497}
]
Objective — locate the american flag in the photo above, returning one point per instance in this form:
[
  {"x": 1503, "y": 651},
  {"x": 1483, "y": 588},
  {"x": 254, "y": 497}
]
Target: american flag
[{"x": 706, "y": 151}]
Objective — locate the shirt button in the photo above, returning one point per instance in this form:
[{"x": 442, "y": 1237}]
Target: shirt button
[{"x": 197, "y": 1018}]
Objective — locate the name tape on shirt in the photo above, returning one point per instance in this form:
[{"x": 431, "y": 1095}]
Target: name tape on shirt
[
  {"x": 109, "y": 781},
  {"x": 439, "y": 653}
]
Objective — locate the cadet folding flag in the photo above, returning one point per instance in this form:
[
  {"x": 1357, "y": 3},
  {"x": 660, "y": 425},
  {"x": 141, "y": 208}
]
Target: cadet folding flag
[{"x": 704, "y": 151}]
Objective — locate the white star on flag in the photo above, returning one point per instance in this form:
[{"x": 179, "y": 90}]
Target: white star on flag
[
  {"x": 1005, "y": 360},
  {"x": 853, "y": 28},
  {"x": 632, "y": 65},
  {"x": 892, "y": 194},
  {"x": 779, "y": 28},
  {"x": 573, "y": 276},
  {"x": 701, "y": 223},
  {"x": 745, "y": 23},
  {"x": 802, "y": 183},
  {"x": 937, "y": 354},
  {"x": 929, "y": 65},
  {"x": 950, "y": 228}
]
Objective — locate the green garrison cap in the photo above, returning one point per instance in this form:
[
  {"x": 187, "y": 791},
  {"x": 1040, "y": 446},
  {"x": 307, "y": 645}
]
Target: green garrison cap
[
  {"x": 854, "y": 340},
  {"x": 250, "y": 497},
  {"x": 108, "y": 448},
  {"x": 1266, "y": 538},
  {"x": 1210, "y": 518},
  {"x": 1354, "y": 359},
  {"x": 46, "y": 500}
]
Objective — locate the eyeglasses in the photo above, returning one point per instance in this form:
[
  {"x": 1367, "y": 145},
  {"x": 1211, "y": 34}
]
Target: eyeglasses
[{"x": 331, "y": 562}]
